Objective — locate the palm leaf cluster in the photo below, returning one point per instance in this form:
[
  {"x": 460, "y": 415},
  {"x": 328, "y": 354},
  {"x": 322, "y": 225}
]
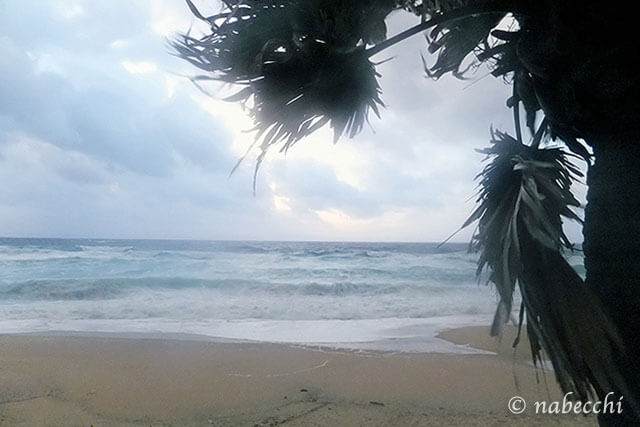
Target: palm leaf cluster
[
  {"x": 301, "y": 63},
  {"x": 479, "y": 37},
  {"x": 524, "y": 193},
  {"x": 454, "y": 40},
  {"x": 513, "y": 194}
]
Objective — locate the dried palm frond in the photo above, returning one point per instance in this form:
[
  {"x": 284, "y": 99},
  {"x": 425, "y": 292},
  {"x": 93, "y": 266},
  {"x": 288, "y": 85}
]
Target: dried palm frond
[{"x": 524, "y": 193}]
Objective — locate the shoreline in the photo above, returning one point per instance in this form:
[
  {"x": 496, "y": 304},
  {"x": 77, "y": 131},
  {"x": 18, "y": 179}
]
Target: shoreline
[
  {"x": 403, "y": 335},
  {"x": 80, "y": 380}
]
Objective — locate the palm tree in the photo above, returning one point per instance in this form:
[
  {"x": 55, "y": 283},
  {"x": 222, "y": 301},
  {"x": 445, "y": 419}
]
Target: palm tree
[{"x": 302, "y": 64}]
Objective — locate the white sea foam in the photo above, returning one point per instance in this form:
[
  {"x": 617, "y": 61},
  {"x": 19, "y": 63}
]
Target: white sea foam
[{"x": 393, "y": 334}]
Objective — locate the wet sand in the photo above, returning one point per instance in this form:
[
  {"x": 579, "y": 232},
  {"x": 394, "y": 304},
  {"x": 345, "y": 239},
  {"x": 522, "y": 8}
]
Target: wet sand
[{"x": 108, "y": 381}]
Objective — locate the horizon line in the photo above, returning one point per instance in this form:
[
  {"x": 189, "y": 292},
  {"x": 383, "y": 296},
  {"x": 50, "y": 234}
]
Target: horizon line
[{"x": 230, "y": 240}]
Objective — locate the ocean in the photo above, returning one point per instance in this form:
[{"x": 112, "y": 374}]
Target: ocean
[{"x": 357, "y": 296}]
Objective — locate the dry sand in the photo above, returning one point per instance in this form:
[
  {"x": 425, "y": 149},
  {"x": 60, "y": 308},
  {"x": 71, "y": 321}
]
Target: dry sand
[{"x": 106, "y": 381}]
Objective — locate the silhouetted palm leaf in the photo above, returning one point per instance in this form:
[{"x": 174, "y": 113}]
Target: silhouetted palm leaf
[
  {"x": 302, "y": 63},
  {"x": 524, "y": 194},
  {"x": 454, "y": 40}
]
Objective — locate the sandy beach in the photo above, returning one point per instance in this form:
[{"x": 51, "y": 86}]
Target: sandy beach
[{"x": 105, "y": 381}]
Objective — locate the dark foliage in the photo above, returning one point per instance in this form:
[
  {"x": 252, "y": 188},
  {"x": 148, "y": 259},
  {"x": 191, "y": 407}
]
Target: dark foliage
[
  {"x": 524, "y": 194},
  {"x": 301, "y": 63},
  {"x": 306, "y": 63}
]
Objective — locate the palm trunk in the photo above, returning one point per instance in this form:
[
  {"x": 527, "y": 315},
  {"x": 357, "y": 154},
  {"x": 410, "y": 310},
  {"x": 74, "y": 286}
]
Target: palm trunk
[{"x": 612, "y": 250}]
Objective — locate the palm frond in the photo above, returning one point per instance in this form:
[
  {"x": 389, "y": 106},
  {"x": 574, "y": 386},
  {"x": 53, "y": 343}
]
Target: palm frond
[
  {"x": 525, "y": 192},
  {"x": 301, "y": 63},
  {"x": 455, "y": 40}
]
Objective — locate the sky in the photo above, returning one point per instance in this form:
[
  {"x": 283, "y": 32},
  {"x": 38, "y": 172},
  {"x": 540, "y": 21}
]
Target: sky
[{"x": 102, "y": 135}]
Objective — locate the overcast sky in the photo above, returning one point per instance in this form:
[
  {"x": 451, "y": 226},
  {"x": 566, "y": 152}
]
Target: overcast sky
[{"x": 102, "y": 136}]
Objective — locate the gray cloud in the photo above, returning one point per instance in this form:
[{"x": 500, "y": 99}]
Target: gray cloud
[
  {"x": 127, "y": 123},
  {"x": 89, "y": 149}
]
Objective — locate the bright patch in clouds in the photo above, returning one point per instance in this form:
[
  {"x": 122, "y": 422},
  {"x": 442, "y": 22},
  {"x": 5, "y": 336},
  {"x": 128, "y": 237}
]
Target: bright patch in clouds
[
  {"x": 338, "y": 219},
  {"x": 172, "y": 82},
  {"x": 281, "y": 203},
  {"x": 387, "y": 224},
  {"x": 349, "y": 163},
  {"x": 168, "y": 18},
  {"x": 140, "y": 67}
]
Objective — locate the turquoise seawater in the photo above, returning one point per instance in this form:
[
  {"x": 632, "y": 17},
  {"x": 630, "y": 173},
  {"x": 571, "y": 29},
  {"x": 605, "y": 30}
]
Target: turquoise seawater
[{"x": 357, "y": 295}]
